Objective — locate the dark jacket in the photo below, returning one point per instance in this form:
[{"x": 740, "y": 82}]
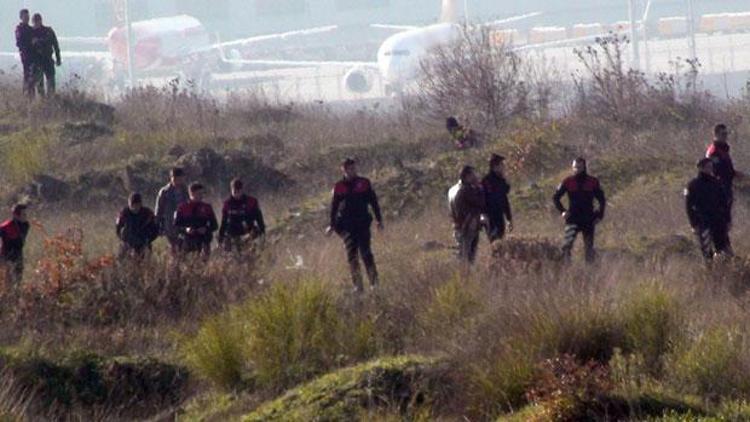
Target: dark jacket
[
  {"x": 350, "y": 204},
  {"x": 467, "y": 204},
  {"x": 137, "y": 230},
  {"x": 44, "y": 44},
  {"x": 13, "y": 234},
  {"x": 582, "y": 190},
  {"x": 23, "y": 40},
  {"x": 241, "y": 216},
  {"x": 706, "y": 202},
  {"x": 718, "y": 152},
  {"x": 196, "y": 215},
  {"x": 167, "y": 201},
  {"x": 496, "y": 190}
]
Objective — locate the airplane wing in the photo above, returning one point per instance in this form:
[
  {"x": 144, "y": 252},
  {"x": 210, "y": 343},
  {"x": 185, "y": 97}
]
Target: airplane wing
[
  {"x": 268, "y": 37},
  {"x": 393, "y": 27},
  {"x": 561, "y": 43},
  {"x": 512, "y": 19},
  {"x": 275, "y": 64}
]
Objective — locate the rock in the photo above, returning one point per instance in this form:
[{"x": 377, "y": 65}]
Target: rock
[
  {"x": 269, "y": 148},
  {"x": 44, "y": 188},
  {"x": 83, "y": 132},
  {"x": 205, "y": 165},
  {"x": 144, "y": 176},
  {"x": 99, "y": 186},
  {"x": 432, "y": 246}
]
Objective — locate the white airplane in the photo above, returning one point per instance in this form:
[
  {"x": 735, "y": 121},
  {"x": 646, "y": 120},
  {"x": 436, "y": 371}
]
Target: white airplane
[{"x": 399, "y": 56}]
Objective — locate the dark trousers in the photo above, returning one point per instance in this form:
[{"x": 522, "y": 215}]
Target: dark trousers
[
  {"x": 27, "y": 77},
  {"x": 196, "y": 245},
  {"x": 13, "y": 269},
  {"x": 467, "y": 242},
  {"x": 714, "y": 240},
  {"x": 571, "y": 232},
  {"x": 357, "y": 242},
  {"x": 41, "y": 71},
  {"x": 496, "y": 230},
  {"x": 135, "y": 252}
]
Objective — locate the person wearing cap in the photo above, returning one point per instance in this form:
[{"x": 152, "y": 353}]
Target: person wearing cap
[
  {"x": 136, "y": 228},
  {"x": 580, "y": 216},
  {"x": 350, "y": 218},
  {"x": 462, "y": 138},
  {"x": 719, "y": 153},
  {"x": 496, "y": 190},
  {"x": 467, "y": 204},
  {"x": 169, "y": 198},
  {"x": 708, "y": 211},
  {"x": 241, "y": 218},
  {"x": 196, "y": 222},
  {"x": 13, "y": 233}
]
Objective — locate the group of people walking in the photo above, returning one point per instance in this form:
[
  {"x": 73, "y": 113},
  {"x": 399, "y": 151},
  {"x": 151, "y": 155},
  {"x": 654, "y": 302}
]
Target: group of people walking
[
  {"x": 40, "y": 53},
  {"x": 189, "y": 223}
]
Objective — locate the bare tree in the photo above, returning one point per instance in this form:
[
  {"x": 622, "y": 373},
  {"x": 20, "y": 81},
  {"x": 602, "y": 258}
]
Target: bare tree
[{"x": 474, "y": 77}]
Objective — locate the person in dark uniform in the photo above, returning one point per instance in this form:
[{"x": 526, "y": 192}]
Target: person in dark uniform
[
  {"x": 136, "y": 228},
  {"x": 23, "y": 42},
  {"x": 708, "y": 211},
  {"x": 719, "y": 153},
  {"x": 496, "y": 190},
  {"x": 580, "y": 216},
  {"x": 241, "y": 217},
  {"x": 467, "y": 204},
  {"x": 196, "y": 222},
  {"x": 43, "y": 46},
  {"x": 13, "y": 233},
  {"x": 350, "y": 218}
]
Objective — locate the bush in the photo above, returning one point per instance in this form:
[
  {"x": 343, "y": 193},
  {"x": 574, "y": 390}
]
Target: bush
[
  {"x": 217, "y": 353},
  {"x": 24, "y": 155},
  {"x": 712, "y": 366}
]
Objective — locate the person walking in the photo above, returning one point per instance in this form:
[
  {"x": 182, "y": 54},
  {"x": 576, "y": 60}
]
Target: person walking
[
  {"x": 350, "y": 218},
  {"x": 196, "y": 222},
  {"x": 708, "y": 212},
  {"x": 23, "y": 43},
  {"x": 241, "y": 217},
  {"x": 580, "y": 216},
  {"x": 44, "y": 45},
  {"x": 467, "y": 204},
  {"x": 723, "y": 166},
  {"x": 13, "y": 233},
  {"x": 136, "y": 228},
  {"x": 496, "y": 190},
  {"x": 169, "y": 198}
]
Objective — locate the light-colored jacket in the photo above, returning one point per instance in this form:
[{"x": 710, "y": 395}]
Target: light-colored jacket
[{"x": 170, "y": 197}]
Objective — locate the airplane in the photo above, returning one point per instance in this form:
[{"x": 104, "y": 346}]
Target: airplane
[{"x": 399, "y": 56}]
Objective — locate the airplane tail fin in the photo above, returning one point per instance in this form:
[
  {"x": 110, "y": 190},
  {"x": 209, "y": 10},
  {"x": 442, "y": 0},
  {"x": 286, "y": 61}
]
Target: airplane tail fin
[{"x": 451, "y": 11}]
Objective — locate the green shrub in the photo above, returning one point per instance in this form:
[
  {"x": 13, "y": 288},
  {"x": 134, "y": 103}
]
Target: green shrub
[
  {"x": 651, "y": 322},
  {"x": 499, "y": 384},
  {"x": 24, "y": 154},
  {"x": 712, "y": 366},
  {"x": 453, "y": 306},
  {"x": 217, "y": 352}
]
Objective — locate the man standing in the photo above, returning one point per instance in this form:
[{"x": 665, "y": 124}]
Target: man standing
[
  {"x": 13, "y": 234},
  {"x": 467, "y": 204},
  {"x": 580, "y": 217},
  {"x": 496, "y": 190},
  {"x": 240, "y": 217},
  {"x": 136, "y": 228},
  {"x": 23, "y": 42},
  {"x": 196, "y": 223},
  {"x": 708, "y": 211},
  {"x": 44, "y": 44},
  {"x": 350, "y": 218},
  {"x": 723, "y": 166},
  {"x": 170, "y": 197}
]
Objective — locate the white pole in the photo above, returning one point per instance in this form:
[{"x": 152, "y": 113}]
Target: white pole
[
  {"x": 129, "y": 41},
  {"x": 466, "y": 12},
  {"x": 691, "y": 29},
  {"x": 647, "y": 51},
  {"x": 634, "y": 35}
]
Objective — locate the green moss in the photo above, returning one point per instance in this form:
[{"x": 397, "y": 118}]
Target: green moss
[{"x": 405, "y": 383}]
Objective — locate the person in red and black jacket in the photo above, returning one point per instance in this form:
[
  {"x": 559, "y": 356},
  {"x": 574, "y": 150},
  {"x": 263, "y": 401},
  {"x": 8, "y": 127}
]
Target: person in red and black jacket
[
  {"x": 350, "y": 217},
  {"x": 241, "y": 216},
  {"x": 23, "y": 42},
  {"x": 496, "y": 190},
  {"x": 708, "y": 211},
  {"x": 580, "y": 216},
  {"x": 13, "y": 234},
  {"x": 723, "y": 166},
  {"x": 136, "y": 227},
  {"x": 196, "y": 223}
]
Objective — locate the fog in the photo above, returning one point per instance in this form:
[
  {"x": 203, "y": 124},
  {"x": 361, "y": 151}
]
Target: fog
[{"x": 310, "y": 50}]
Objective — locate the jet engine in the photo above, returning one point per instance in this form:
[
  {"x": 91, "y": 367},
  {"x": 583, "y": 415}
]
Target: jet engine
[{"x": 357, "y": 80}]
